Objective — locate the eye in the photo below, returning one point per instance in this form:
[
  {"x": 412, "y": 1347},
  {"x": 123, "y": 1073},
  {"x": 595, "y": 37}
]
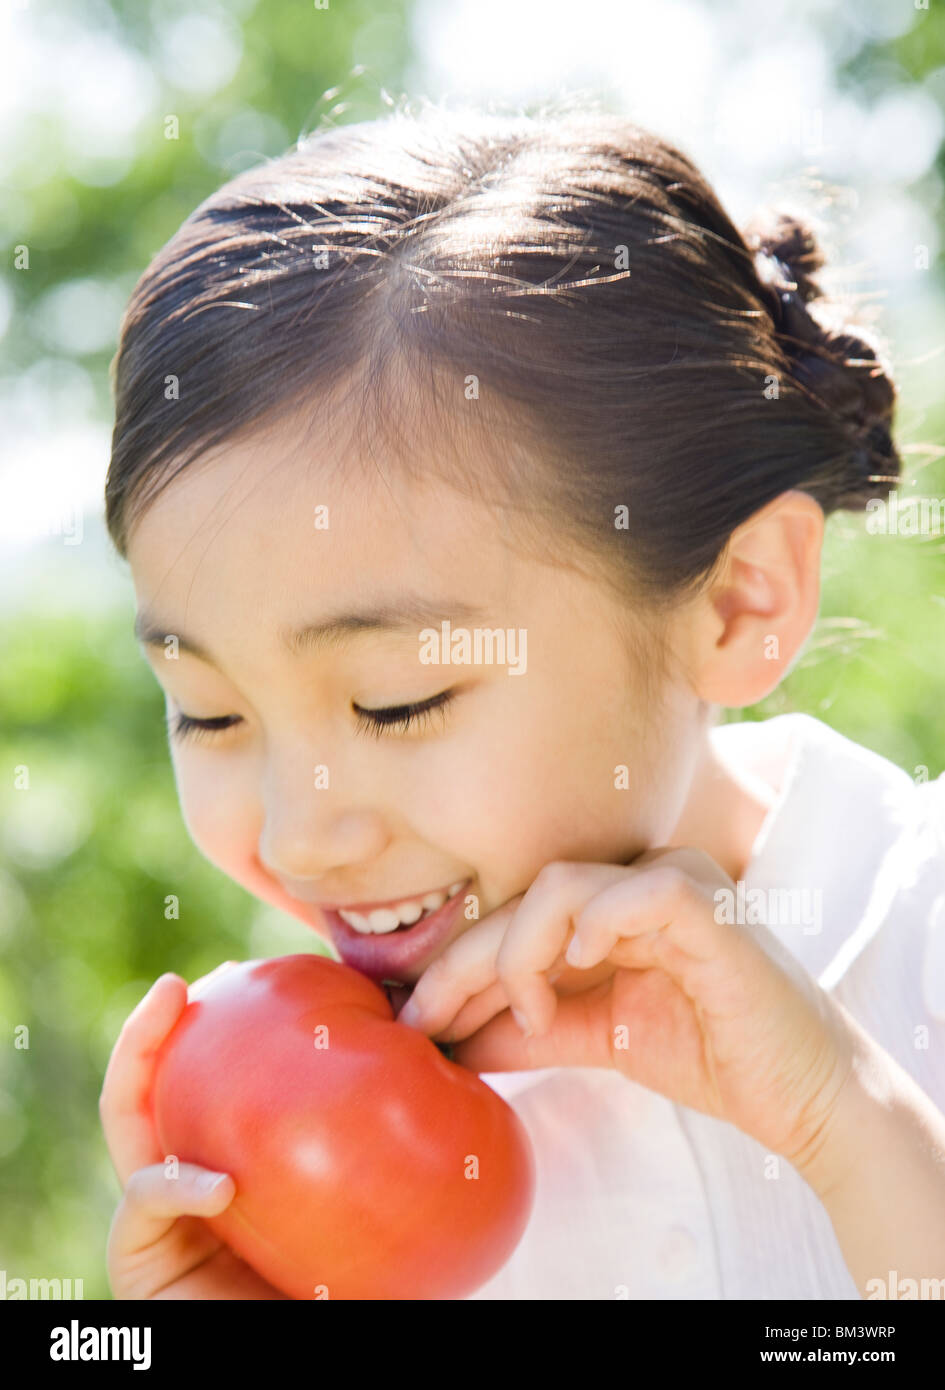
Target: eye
[
  {"x": 182, "y": 726},
  {"x": 186, "y": 727},
  {"x": 376, "y": 721}
]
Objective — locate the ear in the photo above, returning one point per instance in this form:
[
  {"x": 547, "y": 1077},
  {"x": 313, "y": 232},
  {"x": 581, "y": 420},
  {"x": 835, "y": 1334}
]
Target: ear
[{"x": 756, "y": 614}]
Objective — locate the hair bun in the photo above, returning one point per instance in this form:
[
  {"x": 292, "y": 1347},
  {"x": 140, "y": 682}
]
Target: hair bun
[
  {"x": 791, "y": 242},
  {"x": 832, "y": 356}
]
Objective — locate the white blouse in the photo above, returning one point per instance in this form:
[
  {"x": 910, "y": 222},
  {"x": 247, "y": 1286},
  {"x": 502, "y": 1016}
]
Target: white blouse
[{"x": 638, "y": 1197}]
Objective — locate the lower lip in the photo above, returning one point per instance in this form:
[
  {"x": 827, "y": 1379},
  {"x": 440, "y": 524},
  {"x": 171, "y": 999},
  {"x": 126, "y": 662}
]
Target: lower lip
[{"x": 391, "y": 955}]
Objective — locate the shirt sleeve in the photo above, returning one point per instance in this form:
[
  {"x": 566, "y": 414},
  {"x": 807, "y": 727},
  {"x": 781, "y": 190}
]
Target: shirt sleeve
[
  {"x": 895, "y": 988},
  {"x": 933, "y": 965}
]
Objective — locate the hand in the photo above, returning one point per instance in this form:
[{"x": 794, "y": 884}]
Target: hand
[
  {"x": 158, "y": 1247},
  {"x": 716, "y": 1017}
]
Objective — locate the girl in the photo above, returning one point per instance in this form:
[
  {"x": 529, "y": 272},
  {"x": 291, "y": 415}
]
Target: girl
[{"x": 467, "y": 466}]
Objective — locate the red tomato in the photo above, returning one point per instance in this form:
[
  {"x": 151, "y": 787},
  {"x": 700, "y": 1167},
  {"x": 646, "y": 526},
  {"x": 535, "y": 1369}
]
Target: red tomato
[{"x": 366, "y": 1164}]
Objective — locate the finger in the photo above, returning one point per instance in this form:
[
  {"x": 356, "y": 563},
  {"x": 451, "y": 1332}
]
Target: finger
[
  {"x": 477, "y": 1011},
  {"x": 577, "y": 1039},
  {"x": 123, "y": 1104},
  {"x": 199, "y": 986},
  {"x": 465, "y": 968},
  {"x": 539, "y": 931},
  {"x": 474, "y": 1014},
  {"x": 669, "y": 915},
  {"x": 152, "y": 1202}
]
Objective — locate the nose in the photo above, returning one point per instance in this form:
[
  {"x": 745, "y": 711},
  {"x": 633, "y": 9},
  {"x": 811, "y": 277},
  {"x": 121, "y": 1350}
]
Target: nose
[{"x": 309, "y": 830}]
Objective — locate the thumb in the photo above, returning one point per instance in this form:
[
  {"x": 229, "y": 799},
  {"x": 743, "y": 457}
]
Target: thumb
[{"x": 578, "y": 1037}]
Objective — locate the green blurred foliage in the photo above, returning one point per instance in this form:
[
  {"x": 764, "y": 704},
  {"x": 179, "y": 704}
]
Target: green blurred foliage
[
  {"x": 299, "y": 71},
  {"x": 94, "y": 846},
  {"x": 91, "y": 850},
  {"x": 874, "y": 666},
  {"x": 101, "y": 892}
]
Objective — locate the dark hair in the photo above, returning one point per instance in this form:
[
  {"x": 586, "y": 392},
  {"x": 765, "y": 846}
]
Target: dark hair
[{"x": 631, "y": 347}]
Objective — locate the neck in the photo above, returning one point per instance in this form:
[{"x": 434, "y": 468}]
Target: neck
[{"x": 724, "y": 811}]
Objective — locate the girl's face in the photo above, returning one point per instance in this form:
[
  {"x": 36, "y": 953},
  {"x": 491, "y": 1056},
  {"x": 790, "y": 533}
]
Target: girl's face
[{"x": 308, "y": 809}]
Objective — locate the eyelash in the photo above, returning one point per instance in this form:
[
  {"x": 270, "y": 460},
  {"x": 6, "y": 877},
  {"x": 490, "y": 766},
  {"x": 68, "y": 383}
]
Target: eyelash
[
  {"x": 378, "y": 721},
  {"x": 182, "y": 727}
]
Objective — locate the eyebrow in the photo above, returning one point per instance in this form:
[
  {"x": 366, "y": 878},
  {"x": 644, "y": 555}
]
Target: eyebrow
[{"x": 406, "y": 614}]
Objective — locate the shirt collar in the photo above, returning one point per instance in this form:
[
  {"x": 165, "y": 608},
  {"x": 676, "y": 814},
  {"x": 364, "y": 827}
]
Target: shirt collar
[{"x": 834, "y": 848}]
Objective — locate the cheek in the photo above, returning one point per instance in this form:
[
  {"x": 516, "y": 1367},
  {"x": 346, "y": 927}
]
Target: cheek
[
  {"x": 219, "y": 812},
  {"x": 473, "y": 800},
  {"x": 222, "y": 814},
  {"x": 582, "y": 783},
  {"x": 523, "y": 796}
]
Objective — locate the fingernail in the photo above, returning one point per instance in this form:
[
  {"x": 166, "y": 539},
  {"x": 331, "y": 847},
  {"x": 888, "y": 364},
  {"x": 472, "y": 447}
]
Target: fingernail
[
  {"x": 409, "y": 1014},
  {"x": 209, "y": 1182},
  {"x": 522, "y": 1022}
]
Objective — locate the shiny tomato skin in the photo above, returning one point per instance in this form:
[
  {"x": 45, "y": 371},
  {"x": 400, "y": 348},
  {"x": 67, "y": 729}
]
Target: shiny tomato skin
[{"x": 355, "y": 1163}]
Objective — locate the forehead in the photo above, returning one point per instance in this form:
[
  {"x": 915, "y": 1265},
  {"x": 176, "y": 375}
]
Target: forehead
[{"x": 273, "y": 526}]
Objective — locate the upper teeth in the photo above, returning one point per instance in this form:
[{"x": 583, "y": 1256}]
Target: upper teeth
[{"x": 385, "y": 919}]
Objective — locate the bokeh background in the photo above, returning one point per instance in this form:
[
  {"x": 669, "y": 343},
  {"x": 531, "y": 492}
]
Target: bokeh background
[{"x": 840, "y": 107}]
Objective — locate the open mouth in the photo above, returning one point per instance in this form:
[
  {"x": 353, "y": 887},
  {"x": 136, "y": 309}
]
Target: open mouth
[
  {"x": 400, "y": 916},
  {"x": 384, "y": 948}
]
